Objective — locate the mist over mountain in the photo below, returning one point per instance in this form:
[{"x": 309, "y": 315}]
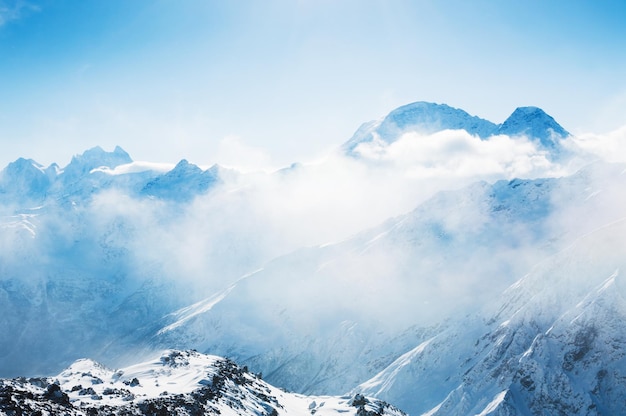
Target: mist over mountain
[
  {"x": 437, "y": 261},
  {"x": 552, "y": 343}
]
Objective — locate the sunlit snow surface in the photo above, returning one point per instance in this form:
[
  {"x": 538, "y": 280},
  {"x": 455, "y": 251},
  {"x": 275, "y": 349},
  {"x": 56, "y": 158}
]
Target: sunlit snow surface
[
  {"x": 174, "y": 383},
  {"x": 553, "y": 343}
]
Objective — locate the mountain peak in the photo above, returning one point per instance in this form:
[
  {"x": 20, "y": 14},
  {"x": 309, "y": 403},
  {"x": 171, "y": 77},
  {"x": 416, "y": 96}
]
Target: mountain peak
[
  {"x": 529, "y": 110},
  {"x": 431, "y": 117},
  {"x": 182, "y": 183},
  {"x": 424, "y": 112},
  {"x": 534, "y": 123},
  {"x": 25, "y": 178},
  {"x": 422, "y": 117},
  {"x": 119, "y": 151},
  {"x": 426, "y": 118},
  {"x": 22, "y": 164},
  {"x": 418, "y": 111},
  {"x": 186, "y": 167},
  {"x": 97, "y": 157}
]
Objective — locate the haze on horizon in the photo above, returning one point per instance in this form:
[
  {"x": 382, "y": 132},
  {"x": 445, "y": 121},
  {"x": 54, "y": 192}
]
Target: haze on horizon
[{"x": 281, "y": 81}]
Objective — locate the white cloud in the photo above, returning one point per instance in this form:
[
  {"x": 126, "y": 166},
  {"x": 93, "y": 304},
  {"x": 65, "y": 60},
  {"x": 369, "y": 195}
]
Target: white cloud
[
  {"x": 457, "y": 154},
  {"x": 610, "y": 147},
  {"x": 233, "y": 152},
  {"x": 450, "y": 253}
]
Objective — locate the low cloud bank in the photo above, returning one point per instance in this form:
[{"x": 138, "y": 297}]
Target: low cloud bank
[
  {"x": 129, "y": 260},
  {"x": 609, "y": 147}
]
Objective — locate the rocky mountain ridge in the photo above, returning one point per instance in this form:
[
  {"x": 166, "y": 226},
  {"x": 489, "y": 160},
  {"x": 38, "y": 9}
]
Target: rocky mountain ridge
[
  {"x": 26, "y": 183},
  {"x": 175, "y": 383}
]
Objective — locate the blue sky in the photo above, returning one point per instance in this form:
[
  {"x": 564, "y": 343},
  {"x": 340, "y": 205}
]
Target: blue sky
[{"x": 277, "y": 81}]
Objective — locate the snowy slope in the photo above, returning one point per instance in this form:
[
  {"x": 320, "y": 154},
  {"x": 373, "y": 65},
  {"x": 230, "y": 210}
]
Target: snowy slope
[
  {"x": 345, "y": 311},
  {"x": 553, "y": 343},
  {"x": 175, "y": 383}
]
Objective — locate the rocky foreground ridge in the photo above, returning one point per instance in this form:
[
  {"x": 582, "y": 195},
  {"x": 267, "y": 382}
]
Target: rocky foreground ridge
[{"x": 175, "y": 383}]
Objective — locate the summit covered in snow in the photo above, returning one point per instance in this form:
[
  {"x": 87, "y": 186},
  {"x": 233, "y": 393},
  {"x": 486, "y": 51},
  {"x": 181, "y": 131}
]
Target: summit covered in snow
[
  {"x": 533, "y": 122},
  {"x": 426, "y": 118},
  {"x": 25, "y": 182}
]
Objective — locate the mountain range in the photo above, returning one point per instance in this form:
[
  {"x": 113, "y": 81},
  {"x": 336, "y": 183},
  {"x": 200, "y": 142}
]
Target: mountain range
[
  {"x": 502, "y": 297},
  {"x": 427, "y": 118}
]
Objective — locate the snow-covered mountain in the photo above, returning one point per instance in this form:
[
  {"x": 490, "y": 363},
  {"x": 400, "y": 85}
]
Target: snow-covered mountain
[
  {"x": 72, "y": 274},
  {"x": 356, "y": 307},
  {"x": 117, "y": 260},
  {"x": 427, "y": 118},
  {"x": 175, "y": 383},
  {"x": 25, "y": 182},
  {"x": 534, "y": 123},
  {"x": 552, "y": 344},
  {"x": 184, "y": 182}
]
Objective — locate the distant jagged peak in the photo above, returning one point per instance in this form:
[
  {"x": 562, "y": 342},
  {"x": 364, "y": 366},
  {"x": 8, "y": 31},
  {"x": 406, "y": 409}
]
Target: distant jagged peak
[
  {"x": 30, "y": 168},
  {"x": 98, "y": 151},
  {"x": 25, "y": 179},
  {"x": 217, "y": 168},
  {"x": 185, "y": 167},
  {"x": 222, "y": 174},
  {"x": 97, "y": 157},
  {"x": 534, "y": 123},
  {"x": 53, "y": 170},
  {"x": 182, "y": 183},
  {"x": 23, "y": 165}
]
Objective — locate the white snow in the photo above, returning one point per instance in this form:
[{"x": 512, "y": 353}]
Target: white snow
[
  {"x": 383, "y": 381},
  {"x": 181, "y": 372},
  {"x": 493, "y": 405},
  {"x": 187, "y": 313}
]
